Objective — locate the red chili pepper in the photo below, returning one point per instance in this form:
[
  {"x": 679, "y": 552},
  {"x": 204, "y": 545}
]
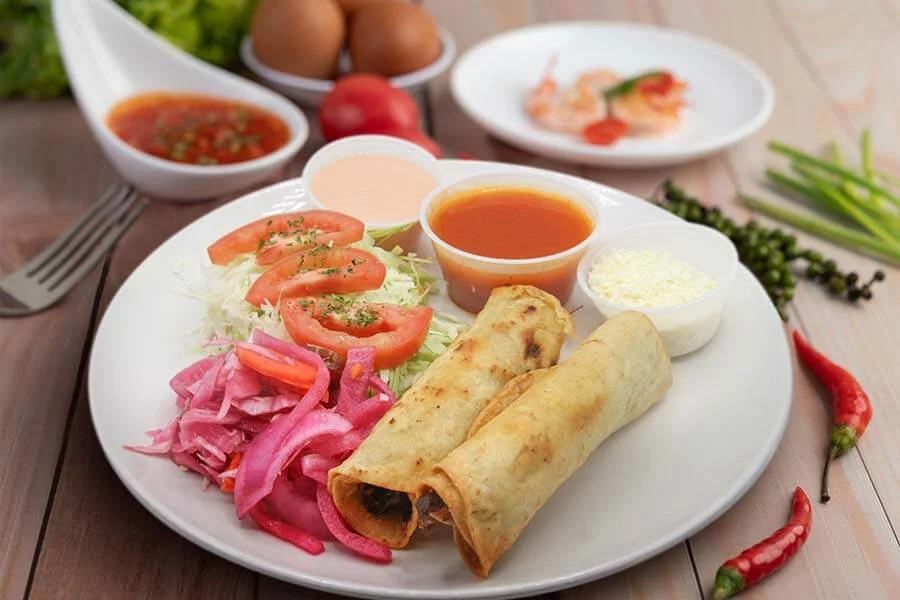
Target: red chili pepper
[
  {"x": 852, "y": 408},
  {"x": 753, "y": 564}
]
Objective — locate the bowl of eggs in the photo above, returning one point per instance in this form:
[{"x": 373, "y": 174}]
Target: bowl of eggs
[{"x": 300, "y": 47}]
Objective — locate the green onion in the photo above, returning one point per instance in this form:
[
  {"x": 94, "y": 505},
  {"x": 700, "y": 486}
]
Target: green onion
[
  {"x": 620, "y": 89},
  {"x": 848, "y": 189},
  {"x": 806, "y": 191},
  {"x": 844, "y": 236},
  {"x": 847, "y": 174},
  {"x": 865, "y": 151},
  {"x": 847, "y": 203}
]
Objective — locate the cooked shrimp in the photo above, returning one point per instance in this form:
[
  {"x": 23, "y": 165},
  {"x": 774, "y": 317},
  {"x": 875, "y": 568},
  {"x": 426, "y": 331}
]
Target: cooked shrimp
[
  {"x": 651, "y": 109},
  {"x": 587, "y": 91},
  {"x": 573, "y": 109}
]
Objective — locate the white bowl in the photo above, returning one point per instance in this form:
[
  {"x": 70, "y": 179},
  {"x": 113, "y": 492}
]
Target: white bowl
[
  {"x": 110, "y": 56},
  {"x": 405, "y": 232},
  {"x": 684, "y": 327},
  {"x": 311, "y": 91},
  {"x": 543, "y": 271}
]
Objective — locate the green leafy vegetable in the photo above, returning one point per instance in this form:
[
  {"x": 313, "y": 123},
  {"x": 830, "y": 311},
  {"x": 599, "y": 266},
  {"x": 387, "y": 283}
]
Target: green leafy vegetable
[
  {"x": 209, "y": 29},
  {"x": 30, "y": 62}
]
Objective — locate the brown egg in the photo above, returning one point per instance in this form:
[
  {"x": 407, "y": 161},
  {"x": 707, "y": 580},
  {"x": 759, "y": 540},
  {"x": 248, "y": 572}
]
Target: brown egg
[
  {"x": 301, "y": 37},
  {"x": 350, "y": 6},
  {"x": 392, "y": 39}
]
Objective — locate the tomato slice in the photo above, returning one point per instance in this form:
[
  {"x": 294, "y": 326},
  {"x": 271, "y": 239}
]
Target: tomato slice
[
  {"x": 355, "y": 318},
  {"x": 273, "y": 238},
  {"x": 396, "y": 332},
  {"x": 285, "y": 369},
  {"x": 322, "y": 270},
  {"x": 606, "y": 131}
]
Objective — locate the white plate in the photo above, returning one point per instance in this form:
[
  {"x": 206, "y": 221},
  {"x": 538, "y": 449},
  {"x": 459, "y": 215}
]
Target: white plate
[
  {"x": 648, "y": 487},
  {"x": 728, "y": 96}
]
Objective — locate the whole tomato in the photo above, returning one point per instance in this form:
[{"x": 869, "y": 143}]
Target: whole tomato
[
  {"x": 416, "y": 137},
  {"x": 363, "y": 103}
]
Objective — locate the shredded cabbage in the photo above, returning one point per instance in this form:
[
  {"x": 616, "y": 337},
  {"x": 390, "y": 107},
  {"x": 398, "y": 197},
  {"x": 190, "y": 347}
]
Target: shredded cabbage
[{"x": 228, "y": 315}]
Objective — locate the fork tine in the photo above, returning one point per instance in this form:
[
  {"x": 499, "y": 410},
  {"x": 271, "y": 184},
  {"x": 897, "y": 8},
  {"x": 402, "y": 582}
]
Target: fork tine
[
  {"x": 73, "y": 259},
  {"x": 63, "y": 285},
  {"x": 88, "y": 232},
  {"x": 40, "y": 261}
]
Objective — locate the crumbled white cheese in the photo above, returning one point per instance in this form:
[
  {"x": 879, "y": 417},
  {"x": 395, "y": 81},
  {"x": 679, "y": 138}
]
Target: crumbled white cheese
[{"x": 647, "y": 279}]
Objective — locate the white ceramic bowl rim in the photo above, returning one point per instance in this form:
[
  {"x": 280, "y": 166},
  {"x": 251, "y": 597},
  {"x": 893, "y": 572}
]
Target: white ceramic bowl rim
[
  {"x": 577, "y": 189},
  {"x": 700, "y": 230},
  {"x": 298, "y": 133},
  {"x": 386, "y": 145},
  {"x": 448, "y": 52}
]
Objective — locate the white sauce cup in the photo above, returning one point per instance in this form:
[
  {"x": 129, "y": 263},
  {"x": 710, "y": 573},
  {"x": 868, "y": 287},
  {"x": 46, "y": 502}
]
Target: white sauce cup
[{"x": 690, "y": 325}]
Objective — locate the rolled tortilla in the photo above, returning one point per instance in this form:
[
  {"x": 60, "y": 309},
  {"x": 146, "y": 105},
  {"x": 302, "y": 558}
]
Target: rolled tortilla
[
  {"x": 510, "y": 392},
  {"x": 521, "y": 328},
  {"x": 495, "y": 482}
]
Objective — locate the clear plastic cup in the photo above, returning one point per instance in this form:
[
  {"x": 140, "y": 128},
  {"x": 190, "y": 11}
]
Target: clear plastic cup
[
  {"x": 470, "y": 277},
  {"x": 690, "y": 325},
  {"x": 404, "y": 232}
]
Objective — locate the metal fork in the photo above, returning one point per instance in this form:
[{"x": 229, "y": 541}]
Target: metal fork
[{"x": 47, "y": 277}]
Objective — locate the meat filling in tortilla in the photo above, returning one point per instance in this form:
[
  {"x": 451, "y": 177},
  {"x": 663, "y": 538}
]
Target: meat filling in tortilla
[{"x": 380, "y": 502}]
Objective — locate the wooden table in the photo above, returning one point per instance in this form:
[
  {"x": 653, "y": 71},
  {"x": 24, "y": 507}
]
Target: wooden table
[{"x": 72, "y": 531}]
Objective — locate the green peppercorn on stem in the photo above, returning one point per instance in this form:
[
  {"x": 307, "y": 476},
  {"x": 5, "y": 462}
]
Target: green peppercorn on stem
[{"x": 844, "y": 236}]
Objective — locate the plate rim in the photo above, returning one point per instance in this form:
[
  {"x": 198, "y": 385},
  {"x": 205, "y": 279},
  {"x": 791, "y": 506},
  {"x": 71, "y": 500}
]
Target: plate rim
[
  {"x": 187, "y": 530},
  {"x": 598, "y": 155}
]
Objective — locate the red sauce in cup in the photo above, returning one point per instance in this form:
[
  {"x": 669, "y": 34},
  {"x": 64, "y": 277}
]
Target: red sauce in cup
[
  {"x": 508, "y": 223},
  {"x": 197, "y": 129}
]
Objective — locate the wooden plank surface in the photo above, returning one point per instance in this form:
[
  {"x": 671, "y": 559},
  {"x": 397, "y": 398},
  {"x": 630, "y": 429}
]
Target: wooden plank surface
[
  {"x": 832, "y": 66},
  {"x": 99, "y": 539},
  {"x": 41, "y": 191},
  {"x": 858, "y": 74},
  {"x": 852, "y": 535}
]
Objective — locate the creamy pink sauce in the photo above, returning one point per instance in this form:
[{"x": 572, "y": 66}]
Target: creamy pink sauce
[{"x": 373, "y": 188}]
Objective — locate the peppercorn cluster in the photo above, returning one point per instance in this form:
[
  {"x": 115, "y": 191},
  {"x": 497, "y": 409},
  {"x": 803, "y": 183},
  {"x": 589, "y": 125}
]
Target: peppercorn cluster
[{"x": 769, "y": 253}]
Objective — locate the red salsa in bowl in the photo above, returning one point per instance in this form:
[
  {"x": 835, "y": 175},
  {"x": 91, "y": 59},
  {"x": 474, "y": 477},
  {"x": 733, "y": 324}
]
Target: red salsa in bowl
[{"x": 197, "y": 129}]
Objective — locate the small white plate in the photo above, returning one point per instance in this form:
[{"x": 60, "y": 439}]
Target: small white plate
[
  {"x": 647, "y": 488},
  {"x": 728, "y": 96}
]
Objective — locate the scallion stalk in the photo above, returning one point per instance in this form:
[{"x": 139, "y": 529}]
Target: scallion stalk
[
  {"x": 829, "y": 230},
  {"x": 806, "y": 191},
  {"x": 843, "y": 172},
  {"x": 849, "y": 204}
]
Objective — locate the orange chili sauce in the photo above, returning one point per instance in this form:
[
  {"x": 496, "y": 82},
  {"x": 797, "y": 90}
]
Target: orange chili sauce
[
  {"x": 197, "y": 129},
  {"x": 508, "y": 223}
]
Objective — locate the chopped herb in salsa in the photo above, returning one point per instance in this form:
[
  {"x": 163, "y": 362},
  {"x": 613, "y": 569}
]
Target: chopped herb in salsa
[{"x": 197, "y": 129}]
